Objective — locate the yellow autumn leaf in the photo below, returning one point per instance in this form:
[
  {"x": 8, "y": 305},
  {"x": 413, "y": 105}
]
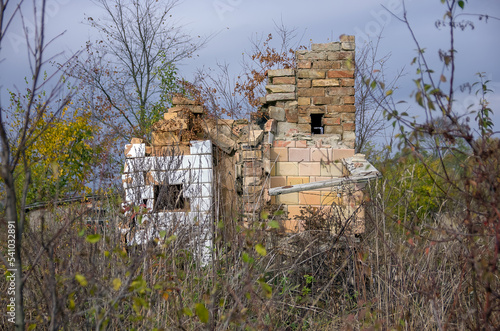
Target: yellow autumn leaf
[{"x": 117, "y": 283}]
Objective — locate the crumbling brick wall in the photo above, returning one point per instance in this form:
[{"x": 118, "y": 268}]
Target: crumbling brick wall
[
  {"x": 308, "y": 138},
  {"x": 320, "y": 88},
  {"x": 309, "y": 135}
]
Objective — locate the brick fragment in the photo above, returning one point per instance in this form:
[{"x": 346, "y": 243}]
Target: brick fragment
[
  {"x": 284, "y": 80},
  {"x": 348, "y": 126},
  {"x": 333, "y": 129},
  {"x": 304, "y": 101},
  {"x": 348, "y": 100},
  {"x": 326, "y": 64},
  {"x": 341, "y": 109},
  {"x": 311, "y": 73},
  {"x": 281, "y": 72},
  {"x": 301, "y": 143},
  {"x": 342, "y": 91},
  {"x": 270, "y": 125},
  {"x": 340, "y": 73},
  {"x": 277, "y": 113},
  {"x": 280, "y": 96},
  {"x": 303, "y": 83},
  {"x": 308, "y": 55},
  {"x": 334, "y": 46},
  {"x": 291, "y": 115},
  {"x": 303, "y": 64},
  {"x": 280, "y": 88},
  {"x": 326, "y": 82},
  {"x": 347, "y": 81},
  {"x": 283, "y": 143},
  {"x": 346, "y": 38},
  {"x": 323, "y": 100},
  {"x": 311, "y": 92},
  {"x": 331, "y": 121}
]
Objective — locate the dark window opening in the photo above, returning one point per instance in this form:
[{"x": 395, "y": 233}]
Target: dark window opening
[
  {"x": 170, "y": 197},
  {"x": 317, "y": 123}
]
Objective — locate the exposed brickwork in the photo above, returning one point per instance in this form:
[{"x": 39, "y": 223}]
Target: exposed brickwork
[
  {"x": 309, "y": 131},
  {"x": 322, "y": 83}
]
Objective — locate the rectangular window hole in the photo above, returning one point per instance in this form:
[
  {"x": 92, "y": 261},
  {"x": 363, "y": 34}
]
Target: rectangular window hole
[
  {"x": 317, "y": 123},
  {"x": 170, "y": 198}
]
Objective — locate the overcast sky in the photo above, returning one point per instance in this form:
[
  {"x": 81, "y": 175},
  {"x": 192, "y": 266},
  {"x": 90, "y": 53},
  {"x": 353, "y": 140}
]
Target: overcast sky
[{"x": 233, "y": 22}]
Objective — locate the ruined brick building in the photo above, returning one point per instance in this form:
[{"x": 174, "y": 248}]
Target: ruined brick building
[{"x": 301, "y": 157}]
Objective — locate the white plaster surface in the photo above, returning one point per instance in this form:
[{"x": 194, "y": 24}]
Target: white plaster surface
[{"x": 195, "y": 172}]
